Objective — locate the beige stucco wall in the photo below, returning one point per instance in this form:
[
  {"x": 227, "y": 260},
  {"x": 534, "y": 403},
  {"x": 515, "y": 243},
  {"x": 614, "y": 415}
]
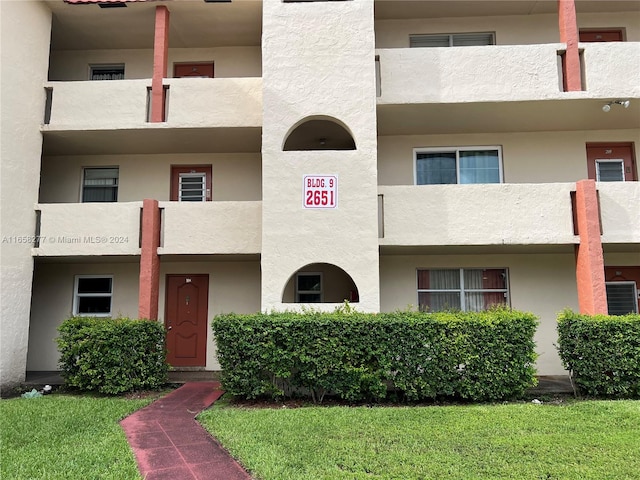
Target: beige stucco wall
[
  {"x": 508, "y": 214},
  {"x": 543, "y": 284},
  {"x": 234, "y": 286},
  {"x": 89, "y": 229},
  {"x": 211, "y": 228},
  {"x": 510, "y": 30},
  {"x": 52, "y": 302},
  {"x": 68, "y": 65},
  {"x": 620, "y": 212},
  {"x": 235, "y": 176},
  {"x": 191, "y": 102},
  {"x": 318, "y": 59},
  {"x": 25, "y": 29},
  {"x": 536, "y": 157}
]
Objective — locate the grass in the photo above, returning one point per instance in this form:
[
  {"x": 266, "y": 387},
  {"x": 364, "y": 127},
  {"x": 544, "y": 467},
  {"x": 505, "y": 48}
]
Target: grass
[
  {"x": 66, "y": 437},
  {"x": 581, "y": 440}
]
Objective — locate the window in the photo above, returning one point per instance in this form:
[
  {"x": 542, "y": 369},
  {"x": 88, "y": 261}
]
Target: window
[
  {"x": 106, "y": 72},
  {"x": 453, "y": 40},
  {"x": 462, "y": 289},
  {"x": 192, "y": 188},
  {"x": 621, "y": 298},
  {"x": 93, "y": 295},
  {"x": 100, "y": 184},
  {"x": 191, "y": 183},
  {"x": 609, "y": 171},
  {"x": 441, "y": 166},
  {"x": 309, "y": 288}
]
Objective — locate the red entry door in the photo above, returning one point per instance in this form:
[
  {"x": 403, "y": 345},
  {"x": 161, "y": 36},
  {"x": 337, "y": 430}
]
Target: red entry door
[
  {"x": 612, "y": 35},
  {"x": 186, "y": 320},
  {"x": 617, "y": 156}
]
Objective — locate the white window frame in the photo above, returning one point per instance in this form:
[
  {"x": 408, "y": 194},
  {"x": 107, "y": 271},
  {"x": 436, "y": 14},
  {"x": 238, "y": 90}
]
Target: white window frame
[
  {"x": 205, "y": 187},
  {"x": 451, "y": 37},
  {"x": 100, "y": 167},
  {"x": 619, "y": 161},
  {"x": 96, "y": 67},
  {"x": 462, "y": 290},
  {"x": 635, "y": 293},
  {"x": 77, "y": 296},
  {"x": 310, "y": 274},
  {"x": 457, "y": 151}
]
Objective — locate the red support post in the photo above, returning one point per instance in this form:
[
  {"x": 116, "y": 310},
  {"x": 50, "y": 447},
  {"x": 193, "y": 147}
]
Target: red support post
[
  {"x": 160, "y": 60},
  {"x": 149, "y": 261},
  {"x": 592, "y": 293},
  {"x": 568, "y": 24}
]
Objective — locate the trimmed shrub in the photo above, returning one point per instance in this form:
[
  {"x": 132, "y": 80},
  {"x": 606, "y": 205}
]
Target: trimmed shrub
[
  {"x": 602, "y": 352},
  {"x": 358, "y": 356},
  {"x": 112, "y": 355}
]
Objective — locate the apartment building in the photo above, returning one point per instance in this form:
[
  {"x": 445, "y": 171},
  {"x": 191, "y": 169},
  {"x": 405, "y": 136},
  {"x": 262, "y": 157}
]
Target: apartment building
[{"x": 174, "y": 159}]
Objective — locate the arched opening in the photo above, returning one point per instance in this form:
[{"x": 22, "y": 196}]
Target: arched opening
[
  {"x": 319, "y": 133},
  {"x": 320, "y": 283}
]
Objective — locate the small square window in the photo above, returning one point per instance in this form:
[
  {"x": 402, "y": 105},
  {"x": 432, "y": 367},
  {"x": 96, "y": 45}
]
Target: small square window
[
  {"x": 309, "y": 288},
  {"x": 622, "y": 298},
  {"x": 100, "y": 184},
  {"x": 609, "y": 170},
  {"x": 192, "y": 187},
  {"x": 106, "y": 72},
  {"x": 93, "y": 295}
]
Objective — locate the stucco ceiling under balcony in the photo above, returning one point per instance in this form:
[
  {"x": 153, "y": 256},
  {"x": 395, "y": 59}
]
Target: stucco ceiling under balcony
[
  {"x": 193, "y": 24},
  {"x": 543, "y": 116},
  {"x": 405, "y": 9}
]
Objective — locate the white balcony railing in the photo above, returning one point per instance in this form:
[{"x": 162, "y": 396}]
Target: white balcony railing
[
  {"x": 214, "y": 102},
  {"x": 612, "y": 69},
  {"x": 76, "y": 229},
  {"x": 469, "y": 74},
  {"x": 211, "y": 228},
  {"x": 620, "y": 211},
  {"x": 123, "y": 104},
  {"x": 495, "y": 214}
]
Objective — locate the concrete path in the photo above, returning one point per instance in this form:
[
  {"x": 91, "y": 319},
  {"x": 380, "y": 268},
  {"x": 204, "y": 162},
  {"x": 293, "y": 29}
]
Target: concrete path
[{"x": 169, "y": 444}]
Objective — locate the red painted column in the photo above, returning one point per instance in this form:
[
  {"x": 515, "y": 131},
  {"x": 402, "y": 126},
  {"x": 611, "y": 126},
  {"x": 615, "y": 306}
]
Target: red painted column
[
  {"x": 569, "y": 35},
  {"x": 160, "y": 60},
  {"x": 592, "y": 294},
  {"x": 149, "y": 261}
]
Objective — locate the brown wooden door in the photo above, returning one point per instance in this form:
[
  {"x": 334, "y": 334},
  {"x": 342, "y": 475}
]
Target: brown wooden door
[
  {"x": 624, "y": 274},
  {"x": 200, "y": 69},
  {"x": 609, "y": 35},
  {"x": 611, "y": 153},
  {"x": 186, "y": 320},
  {"x": 191, "y": 183}
]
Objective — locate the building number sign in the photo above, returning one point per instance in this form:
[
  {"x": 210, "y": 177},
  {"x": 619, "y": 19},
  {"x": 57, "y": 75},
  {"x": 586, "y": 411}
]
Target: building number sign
[{"x": 320, "y": 191}]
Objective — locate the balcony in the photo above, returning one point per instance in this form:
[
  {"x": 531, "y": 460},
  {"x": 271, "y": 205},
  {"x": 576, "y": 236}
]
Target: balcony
[
  {"x": 477, "y": 215},
  {"x": 204, "y": 115},
  {"x": 211, "y": 228},
  {"x": 78, "y": 229},
  {"x": 620, "y": 212},
  {"x": 503, "y": 88}
]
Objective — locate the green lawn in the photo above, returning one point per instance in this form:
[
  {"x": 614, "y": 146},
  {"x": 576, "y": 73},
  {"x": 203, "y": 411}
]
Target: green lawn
[
  {"x": 66, "y": 437},
  {"x": 583, "y": 440}
]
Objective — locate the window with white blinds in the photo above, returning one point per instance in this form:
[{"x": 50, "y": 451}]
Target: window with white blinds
[
  {"x": 100, "y": 184},
  {"x": 193, "y": 187},
  {"x": 453, "y": 40},
  {"x": 622, "y": 298}
]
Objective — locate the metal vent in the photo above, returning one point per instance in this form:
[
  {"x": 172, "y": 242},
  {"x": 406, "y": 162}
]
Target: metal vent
[
  {"x": 452, "y": 40},
  {"x": 622, "y": 298}
]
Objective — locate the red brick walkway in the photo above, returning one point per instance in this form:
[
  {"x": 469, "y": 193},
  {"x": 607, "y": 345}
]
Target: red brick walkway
[{"x": 169, "y": 444}]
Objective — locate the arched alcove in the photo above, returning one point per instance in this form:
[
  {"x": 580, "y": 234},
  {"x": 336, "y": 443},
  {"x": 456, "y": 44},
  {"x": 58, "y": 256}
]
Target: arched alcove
[
  {"x": 319, "y": 133},
  {"x": 320, "y": 283}
]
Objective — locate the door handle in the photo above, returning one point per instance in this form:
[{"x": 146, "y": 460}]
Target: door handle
[{"x": 169, "y": 327}]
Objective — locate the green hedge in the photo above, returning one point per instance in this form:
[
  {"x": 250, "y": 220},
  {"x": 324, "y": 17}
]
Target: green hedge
[
  {"x": 602, "y": 352},
  {"x": 112, "y": 356},
  {"x": 357, "y": 356}
]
